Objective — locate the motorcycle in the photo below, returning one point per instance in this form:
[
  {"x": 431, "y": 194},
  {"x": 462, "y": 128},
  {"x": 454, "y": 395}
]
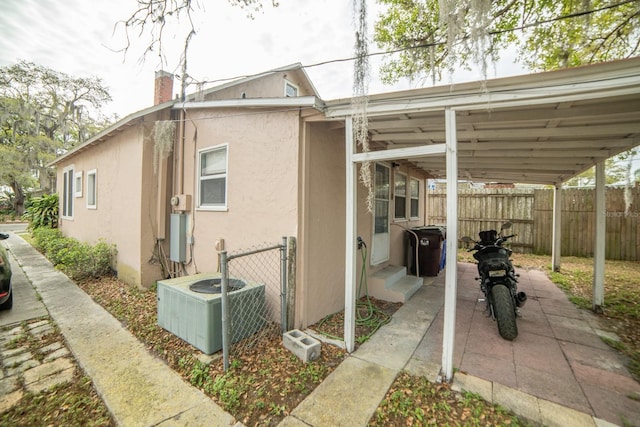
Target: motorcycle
[{"x": 498, "y": 280}]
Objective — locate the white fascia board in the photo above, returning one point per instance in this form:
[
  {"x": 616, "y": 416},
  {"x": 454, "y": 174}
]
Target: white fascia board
[
  {"x": 296, "y": 101},
  {"x": 400, "y": 153},
  {"x": 497, "y": 97}
]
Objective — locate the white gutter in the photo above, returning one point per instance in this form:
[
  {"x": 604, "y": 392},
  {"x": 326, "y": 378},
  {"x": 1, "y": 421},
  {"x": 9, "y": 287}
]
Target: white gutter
[
  {"x": 293, "y": 102},
  {"x": 496, "y": 97}
]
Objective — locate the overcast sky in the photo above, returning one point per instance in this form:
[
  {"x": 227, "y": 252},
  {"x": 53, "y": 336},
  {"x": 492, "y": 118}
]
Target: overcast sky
[{"x": 81, "y": 38}]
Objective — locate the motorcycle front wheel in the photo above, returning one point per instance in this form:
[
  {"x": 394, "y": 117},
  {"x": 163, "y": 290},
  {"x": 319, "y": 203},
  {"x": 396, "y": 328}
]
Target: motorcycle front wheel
[{"x": 504, "y": 311}]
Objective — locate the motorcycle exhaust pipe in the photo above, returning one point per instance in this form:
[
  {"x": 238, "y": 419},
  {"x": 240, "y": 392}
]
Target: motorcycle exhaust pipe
[{"x": 521, "y": 298}]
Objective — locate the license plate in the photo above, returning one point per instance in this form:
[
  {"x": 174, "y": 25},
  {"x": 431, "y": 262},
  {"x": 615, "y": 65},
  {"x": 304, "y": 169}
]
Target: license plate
[{"x": 497, "y": 273}]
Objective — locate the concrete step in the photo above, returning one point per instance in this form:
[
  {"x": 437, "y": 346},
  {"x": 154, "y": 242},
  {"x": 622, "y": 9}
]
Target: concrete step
[
  {"x": 388, "y": 275},
  {"x": 392, "y": 284}
]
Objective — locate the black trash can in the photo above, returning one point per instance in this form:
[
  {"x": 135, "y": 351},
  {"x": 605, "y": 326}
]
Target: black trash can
[{"x": 427, "y": 242}]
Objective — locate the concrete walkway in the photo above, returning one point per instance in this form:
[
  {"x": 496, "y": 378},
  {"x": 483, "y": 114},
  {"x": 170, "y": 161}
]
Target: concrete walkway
[
  {"x": 558, "y": 372},
  {"x": 138, "y": 389}
]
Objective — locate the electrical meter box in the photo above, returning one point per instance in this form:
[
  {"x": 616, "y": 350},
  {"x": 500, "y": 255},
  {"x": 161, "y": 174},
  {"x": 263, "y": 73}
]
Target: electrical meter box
[{"x": 178, "y": 238}]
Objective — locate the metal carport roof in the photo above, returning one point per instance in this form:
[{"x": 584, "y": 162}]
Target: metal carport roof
[{"x": 543, "y": 128}]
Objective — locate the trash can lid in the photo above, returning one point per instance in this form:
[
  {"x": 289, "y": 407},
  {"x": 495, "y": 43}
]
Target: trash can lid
[
  {"x": 437, "y": 229},
  {"x": 429, "y": 231}
]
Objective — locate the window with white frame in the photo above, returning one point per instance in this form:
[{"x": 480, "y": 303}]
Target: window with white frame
[
  {"x": 290, "y": 90},
  {"x": 92, "y": 189},
  {"x": 212, "y": 178},
  {"x": 400, "y": 195},
  {"x": 415, "y": 198},
  {"x": 68, "y": 179},
  {"x": 78, "y": 184}
]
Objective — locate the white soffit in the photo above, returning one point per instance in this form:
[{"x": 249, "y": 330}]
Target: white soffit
[{"x": 543, "y": 128}]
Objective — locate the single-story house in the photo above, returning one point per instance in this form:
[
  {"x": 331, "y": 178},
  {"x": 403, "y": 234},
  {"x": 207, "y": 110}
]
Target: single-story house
[
  {"x": 250, "y": 162},
  {"x": 264, "y": 157}
]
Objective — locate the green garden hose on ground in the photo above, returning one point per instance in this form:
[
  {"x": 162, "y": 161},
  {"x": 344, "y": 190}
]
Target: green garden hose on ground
[{"x": 367, "y": 314}]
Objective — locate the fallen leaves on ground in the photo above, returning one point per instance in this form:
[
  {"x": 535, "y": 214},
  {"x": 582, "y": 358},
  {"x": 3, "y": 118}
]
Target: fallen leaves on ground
[{"x": 265, "y": 383}]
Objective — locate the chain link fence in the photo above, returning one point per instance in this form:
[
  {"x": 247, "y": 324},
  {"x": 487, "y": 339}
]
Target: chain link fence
[{"x": 254, "y": 303}]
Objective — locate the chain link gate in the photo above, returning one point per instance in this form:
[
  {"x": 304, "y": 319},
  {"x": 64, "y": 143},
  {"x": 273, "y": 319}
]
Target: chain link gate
[{"x": 253, "y": 296}]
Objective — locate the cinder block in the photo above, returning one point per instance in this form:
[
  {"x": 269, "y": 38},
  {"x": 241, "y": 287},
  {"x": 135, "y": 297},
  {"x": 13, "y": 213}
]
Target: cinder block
[{"x": 305, "y": 347}]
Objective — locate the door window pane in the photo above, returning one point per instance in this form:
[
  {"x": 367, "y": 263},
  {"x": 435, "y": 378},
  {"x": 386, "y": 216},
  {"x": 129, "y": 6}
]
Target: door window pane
[
  {"x": 400, "y": 194},
  {"x": 415, "y": 198},
  {"x": 382, "y": 182}
]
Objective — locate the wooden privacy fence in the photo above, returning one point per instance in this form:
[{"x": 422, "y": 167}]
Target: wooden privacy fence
[{"x": 531, "y": 212}]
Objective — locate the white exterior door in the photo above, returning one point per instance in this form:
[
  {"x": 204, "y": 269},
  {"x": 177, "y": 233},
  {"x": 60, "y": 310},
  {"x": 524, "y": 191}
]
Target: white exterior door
[{"x": 380, "y": 240}]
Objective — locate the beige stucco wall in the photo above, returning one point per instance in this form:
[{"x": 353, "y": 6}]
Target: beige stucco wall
[
  {"x": 320, "y": 285},
  {"x": 261, "y": 180},
  {"x": 271, "y": 86},
  {"x": 124, "y": 195},
  {"x": 321, "y": 265},
  {"x": 285, "y": 177}
]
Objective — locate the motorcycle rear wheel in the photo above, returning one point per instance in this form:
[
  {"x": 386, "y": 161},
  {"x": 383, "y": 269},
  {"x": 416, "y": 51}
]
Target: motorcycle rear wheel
[{"x": 504, "y": 311}]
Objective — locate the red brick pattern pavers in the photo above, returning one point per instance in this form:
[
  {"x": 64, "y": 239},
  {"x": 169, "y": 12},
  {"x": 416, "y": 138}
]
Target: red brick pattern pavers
[{"x": 558, "y": 355}]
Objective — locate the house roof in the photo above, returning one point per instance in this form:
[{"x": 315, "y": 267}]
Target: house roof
[
  {"x": 541, "y": 128},
  {"x": 294, "y": 68},
  {"x": 120, "y": 125},
  {"x": 112, "y": 130}
]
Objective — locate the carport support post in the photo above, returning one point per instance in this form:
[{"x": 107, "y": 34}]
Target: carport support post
[
  {"x": 599, "y": 247},
  {"x": 350, "y": 244},
  {"x": 556, "y": 240},
  {"x": 451, "y": 272}
]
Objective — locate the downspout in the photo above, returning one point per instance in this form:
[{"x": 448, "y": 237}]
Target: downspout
[
  {"x": 179, "y": 268},
  {"x": 161, "y": 218},
  {"x": 415, "y": 236},
  {"x": 180, "y": 157}
]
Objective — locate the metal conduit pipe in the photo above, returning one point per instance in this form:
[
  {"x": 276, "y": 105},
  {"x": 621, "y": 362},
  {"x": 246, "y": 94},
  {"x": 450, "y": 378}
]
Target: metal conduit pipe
[{"x": 417, "y": 243}]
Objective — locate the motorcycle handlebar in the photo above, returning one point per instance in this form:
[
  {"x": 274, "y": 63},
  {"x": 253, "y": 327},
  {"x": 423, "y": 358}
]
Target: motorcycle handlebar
[{"x": 499, "y": 241}]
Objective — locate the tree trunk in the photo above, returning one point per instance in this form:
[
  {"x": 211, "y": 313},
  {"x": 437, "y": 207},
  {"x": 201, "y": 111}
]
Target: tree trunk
[
  {"x": 45, "y": 178},
  {"x": 18, "y": 198}
]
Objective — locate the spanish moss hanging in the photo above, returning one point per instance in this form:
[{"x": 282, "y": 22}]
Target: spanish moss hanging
[
  {"x": 467, "y": 23},
  {"x": 359, "y": 101},
  {"x": 163, "y": 134}
]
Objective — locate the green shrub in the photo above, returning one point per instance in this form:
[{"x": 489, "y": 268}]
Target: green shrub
[
  {"x": 43, "y": 212},
  {"x": 102, "y": 255},
  {"x": 44, "y": 237},
  {"x": 76, "y": 259}
]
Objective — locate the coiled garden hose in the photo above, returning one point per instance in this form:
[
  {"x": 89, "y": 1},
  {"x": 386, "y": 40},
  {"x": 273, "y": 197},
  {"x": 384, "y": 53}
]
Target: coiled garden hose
[{"x": 366, "y": 313}]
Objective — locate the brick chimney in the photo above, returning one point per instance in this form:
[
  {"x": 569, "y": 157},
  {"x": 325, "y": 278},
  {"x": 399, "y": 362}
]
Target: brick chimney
[{"x": 163, "y": 88}]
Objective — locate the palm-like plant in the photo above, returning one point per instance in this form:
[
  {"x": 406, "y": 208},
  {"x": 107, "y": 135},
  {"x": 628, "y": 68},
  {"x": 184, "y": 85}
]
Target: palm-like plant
[{"x": 43, "y": 212}]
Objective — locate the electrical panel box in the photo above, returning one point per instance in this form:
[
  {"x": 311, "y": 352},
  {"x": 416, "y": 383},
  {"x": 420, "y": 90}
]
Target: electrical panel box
[{"x": 178, "y": 238}]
